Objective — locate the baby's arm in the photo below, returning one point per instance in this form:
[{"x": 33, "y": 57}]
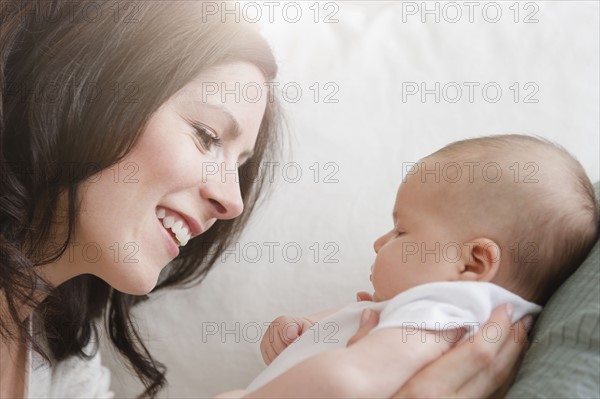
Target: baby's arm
[{"x": 377, "y": 365}]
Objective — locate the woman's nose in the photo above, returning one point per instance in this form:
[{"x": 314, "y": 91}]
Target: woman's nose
[{"x": 224, "y": 196}]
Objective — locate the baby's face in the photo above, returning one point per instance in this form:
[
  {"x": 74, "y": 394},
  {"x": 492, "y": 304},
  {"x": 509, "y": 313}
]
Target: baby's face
[{"x": 421, "y": 248}]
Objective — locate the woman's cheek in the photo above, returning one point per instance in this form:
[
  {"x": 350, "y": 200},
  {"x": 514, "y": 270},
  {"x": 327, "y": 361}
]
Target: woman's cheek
[{"x": 173, "y": 167}]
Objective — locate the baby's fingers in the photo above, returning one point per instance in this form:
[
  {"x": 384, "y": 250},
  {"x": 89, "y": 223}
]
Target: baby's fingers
[
  {"x": 268, "y": 353},
  {"x": 288, "y": 333},
  {"x": 280, "y": 334},
  {"x": 271, "y": 346},
  {"x": 267, "y": 349}
]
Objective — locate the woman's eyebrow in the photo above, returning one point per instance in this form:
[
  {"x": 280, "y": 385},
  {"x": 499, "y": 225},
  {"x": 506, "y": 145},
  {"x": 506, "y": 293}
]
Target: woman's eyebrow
[{"x": 234, "y": 127}]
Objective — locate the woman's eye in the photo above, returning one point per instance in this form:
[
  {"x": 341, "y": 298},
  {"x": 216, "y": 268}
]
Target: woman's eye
[
  {"x": 207, "y": 137},
  {"x": 398, "y": 234}
]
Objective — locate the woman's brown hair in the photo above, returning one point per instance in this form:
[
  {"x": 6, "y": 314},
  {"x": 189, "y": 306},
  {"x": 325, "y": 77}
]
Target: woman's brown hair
[{"x": 79, "y": 80}]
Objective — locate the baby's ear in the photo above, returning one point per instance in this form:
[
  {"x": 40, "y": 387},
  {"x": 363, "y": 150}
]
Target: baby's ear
[{"x": 482, "y": 260}]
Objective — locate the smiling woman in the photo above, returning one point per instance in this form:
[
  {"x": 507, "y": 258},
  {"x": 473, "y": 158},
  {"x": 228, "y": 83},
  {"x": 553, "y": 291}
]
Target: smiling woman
[
  {"x": 104, "y": 128},
  {"x": 171, "y": 157}
]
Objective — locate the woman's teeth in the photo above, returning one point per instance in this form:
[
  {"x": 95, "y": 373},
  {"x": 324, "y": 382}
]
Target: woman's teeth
[{"x": 177, "y": 225}]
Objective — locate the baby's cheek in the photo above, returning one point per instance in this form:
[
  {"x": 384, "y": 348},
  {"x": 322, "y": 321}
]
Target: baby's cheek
[{"x": 380, "y": 278}]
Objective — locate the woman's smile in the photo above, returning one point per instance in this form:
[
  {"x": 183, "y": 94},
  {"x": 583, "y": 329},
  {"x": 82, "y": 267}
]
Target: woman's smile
[
  {"x": 179, "y": 226},
  {"x": 171, "y": 241}
]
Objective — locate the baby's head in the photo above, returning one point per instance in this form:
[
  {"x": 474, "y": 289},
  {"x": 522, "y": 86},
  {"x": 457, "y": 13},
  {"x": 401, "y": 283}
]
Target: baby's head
[{"x": 513, "y": 210}]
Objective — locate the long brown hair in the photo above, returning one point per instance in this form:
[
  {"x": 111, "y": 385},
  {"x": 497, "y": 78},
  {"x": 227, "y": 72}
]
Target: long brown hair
[{"x": 78, "y": 85}]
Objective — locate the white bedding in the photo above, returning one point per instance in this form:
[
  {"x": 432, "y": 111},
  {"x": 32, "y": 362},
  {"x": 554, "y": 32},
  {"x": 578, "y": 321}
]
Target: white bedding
[{"x": 208, "y": 336}]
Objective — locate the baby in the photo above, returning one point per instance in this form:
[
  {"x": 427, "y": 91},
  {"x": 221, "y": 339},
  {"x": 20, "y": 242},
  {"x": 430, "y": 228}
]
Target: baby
[{"x": 479, "y": 223}]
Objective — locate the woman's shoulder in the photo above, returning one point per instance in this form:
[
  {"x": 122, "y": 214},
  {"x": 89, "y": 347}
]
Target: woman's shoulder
[{"x": 68, "y": 378}]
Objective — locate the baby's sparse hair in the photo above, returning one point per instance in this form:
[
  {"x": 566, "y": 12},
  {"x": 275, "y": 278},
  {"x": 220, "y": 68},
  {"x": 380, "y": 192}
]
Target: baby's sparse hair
[{"x": 542, "y": 212}]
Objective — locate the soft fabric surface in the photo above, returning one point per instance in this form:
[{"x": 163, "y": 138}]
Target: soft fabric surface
[
  {"x": 208, "y": 336},
  {"x": 564, "y": 358}
]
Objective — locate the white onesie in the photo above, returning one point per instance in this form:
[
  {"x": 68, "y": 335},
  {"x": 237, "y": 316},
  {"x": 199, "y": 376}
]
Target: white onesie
[{"x": 440, "y": 306}]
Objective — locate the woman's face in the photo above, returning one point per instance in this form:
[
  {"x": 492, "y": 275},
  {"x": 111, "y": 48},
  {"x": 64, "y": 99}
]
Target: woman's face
[{"x": 183, "y": 169}]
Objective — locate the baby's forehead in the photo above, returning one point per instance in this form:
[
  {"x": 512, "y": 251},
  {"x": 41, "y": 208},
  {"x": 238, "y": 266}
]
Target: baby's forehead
[
  {"x": 429, "y": 176},
  {"x": 421, "y": 193}
]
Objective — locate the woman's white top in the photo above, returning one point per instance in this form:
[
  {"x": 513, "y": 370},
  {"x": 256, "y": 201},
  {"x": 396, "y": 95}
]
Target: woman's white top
[{"x": 70, "y": 378}]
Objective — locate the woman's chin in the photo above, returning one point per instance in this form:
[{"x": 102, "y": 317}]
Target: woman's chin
[
  {"x": 140, "y": 289},
  {"x": 133, "y": 285}
]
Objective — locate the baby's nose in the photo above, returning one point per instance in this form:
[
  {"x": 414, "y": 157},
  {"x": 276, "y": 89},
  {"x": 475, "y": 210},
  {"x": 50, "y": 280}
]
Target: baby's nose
[
  {"x": 377, "y": 244},
  {"x": 380, "y": 242}
]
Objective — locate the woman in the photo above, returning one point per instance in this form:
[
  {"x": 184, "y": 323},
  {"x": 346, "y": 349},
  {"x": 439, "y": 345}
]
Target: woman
[{"x": 115, "y": 162}]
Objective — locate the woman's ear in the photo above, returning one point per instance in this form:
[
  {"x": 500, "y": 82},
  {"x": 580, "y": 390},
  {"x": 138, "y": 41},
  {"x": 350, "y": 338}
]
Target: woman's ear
[{"x": 482, "y": 260}]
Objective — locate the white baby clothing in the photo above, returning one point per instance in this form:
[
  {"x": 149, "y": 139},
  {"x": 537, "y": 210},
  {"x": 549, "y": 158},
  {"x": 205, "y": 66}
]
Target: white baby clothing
[
  {"x": 440, "y": 306},
  {"x": 70, "y": 378}
]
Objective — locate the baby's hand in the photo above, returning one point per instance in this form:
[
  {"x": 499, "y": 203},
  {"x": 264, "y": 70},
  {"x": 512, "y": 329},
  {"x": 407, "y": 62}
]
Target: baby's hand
[
  {"x": 363, "y": 296},
  {"x": 281, "y": 332}
]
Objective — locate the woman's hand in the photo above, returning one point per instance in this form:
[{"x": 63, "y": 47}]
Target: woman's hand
[{"x": 475, "y": 368}]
